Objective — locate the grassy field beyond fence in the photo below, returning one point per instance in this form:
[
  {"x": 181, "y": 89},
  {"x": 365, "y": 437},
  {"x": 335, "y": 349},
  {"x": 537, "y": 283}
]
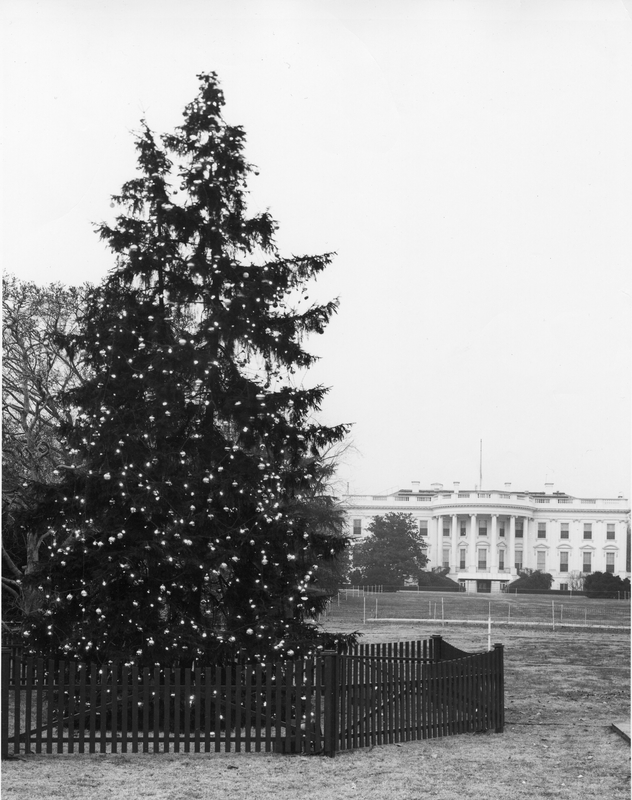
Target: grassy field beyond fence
[{"x": 521, "y": 609}]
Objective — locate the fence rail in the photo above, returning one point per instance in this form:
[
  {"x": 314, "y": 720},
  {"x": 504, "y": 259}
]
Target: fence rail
[{"x": 374, "y": 694}]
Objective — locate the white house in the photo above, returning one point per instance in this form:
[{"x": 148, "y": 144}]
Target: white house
[{"x": 485, "y": 538}]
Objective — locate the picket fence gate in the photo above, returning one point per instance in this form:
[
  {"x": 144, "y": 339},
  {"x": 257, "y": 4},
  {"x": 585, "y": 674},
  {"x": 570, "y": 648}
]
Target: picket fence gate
[{"x": 372, "y": 695}]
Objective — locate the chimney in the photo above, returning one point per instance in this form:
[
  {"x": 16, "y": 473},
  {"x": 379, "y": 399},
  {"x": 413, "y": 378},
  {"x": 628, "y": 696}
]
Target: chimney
[
  {"x": 416, "y": 485},
  {"x": 548, "y": 488},
  {"x": 456, "y": 485},
  {"x": 507, "y": 487},
  {"x": 436, "y": 487}
]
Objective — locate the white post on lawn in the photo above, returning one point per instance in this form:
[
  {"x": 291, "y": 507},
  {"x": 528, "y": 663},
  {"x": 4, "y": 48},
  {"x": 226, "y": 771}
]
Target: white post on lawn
[{"x": 553, "y": 612}]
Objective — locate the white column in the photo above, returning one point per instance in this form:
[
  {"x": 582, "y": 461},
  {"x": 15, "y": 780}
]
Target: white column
[
  {"x": 493, "y": 547},
  {"x": 439, "y": 548},
  {"x": 527, "y": 558},
  {"x": 454, "y": 567},
  {"x": 512, "y": 544},
  {"x": 472, "y": 548}
]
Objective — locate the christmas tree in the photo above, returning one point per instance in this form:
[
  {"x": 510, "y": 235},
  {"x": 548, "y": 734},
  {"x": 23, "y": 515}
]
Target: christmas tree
[{"x": 188, "y": 520}]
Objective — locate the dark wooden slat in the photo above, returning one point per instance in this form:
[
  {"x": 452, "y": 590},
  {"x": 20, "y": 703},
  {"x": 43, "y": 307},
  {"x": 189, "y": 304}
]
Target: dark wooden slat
[
  {"x": 363, "y": 728},
  {"x": 29, "y": 687},
  {"x": 124, "y": 707},
  {"x": 177, "y": 704},
  {"x": 186, "y": 710},
  {"x": 135, "y": 702},
  {"x": 308, "y": 688},
  {"x": 258, "y": 706},
  {"x": 379, "y": 701},
  {"x": 218, "y": 707},
  {"x": 145, "y": 690},
  {"x": 39, "y": 703},
  {"x": 197, "y": 704},
  {"x": 288, "y": 679},
  {"x": 208, "y": 695},
  {"x": 103, "y": 672},
  {"x": 114, "y": 705},
  {"x": 71, "y": 706},
  {"x": 319, "y": 720},
  {"x": 268, "y": 715},
  {"x": 166, "y": 710},
  {"x": 156, "y": 704},
  {"x": 238, "y": 692},
  {"x": 278, "y": 704},
  {"x": 228, "y": 715},
  {"x": 346, "y": 708},
  {"x": 16, "y": 668},
  {"x": 50, "y": 710},
  {"x": 407, "y": 692},
  {"x": 248, "y": 673}
]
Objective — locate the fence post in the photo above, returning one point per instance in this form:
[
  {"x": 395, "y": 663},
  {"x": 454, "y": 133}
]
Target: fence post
[
  {"x": 437, "y": 640},
  {"x": 6, "y": 662},
  {"x": 500, "y": 694},
  {"x": 331, "y": 702}
]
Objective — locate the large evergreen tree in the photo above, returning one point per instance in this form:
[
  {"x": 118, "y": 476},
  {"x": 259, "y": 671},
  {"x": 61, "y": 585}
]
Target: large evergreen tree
[{"x": 191, "y": 505}]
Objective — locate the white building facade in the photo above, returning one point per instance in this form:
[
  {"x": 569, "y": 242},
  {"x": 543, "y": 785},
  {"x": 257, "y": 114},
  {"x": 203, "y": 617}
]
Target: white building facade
[{"x": 485, "y": 538}]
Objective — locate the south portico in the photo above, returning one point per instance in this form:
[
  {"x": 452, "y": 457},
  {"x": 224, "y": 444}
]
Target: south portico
[{"x": 483, "y": 550}]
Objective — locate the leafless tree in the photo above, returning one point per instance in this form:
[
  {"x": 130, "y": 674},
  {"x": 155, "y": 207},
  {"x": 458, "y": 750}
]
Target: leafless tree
[{"x": 36, "y": 371}]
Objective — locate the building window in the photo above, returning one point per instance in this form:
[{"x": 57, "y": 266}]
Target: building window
[
  {"x": 446, "y": 557},
  {"x": 541, "y": 560},
  {"x": 610, "y": 531},
  {"x": 423, "y": 527},
  {"x": 482, "y": 528},
  {"x": 446, "y": 529},
  {"x": 563, "y": 587},
  {"x": 501, "y": 559},
  {"x": 462, "y": 554},
  {"x": 609, "y": 562},
  {"x": 519, "y": 531},
  {"x": 564, "y": 561},
  {"x": 541, "y": 530},
  {"x": 501, "y": 529},
  {"x": 357, "y": 527},
  {"x": 518, "y": 562},
  {"x": 588, "y": 530},
  {"x": 564, "y": 531},
  {"x": 463, "y": 528},
  {"x": 587, "y": 561},
  {"x": 482, "y": 558}
]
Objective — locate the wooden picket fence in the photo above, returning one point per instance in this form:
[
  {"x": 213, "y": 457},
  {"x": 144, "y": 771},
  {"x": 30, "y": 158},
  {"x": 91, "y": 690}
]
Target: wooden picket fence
[{"x": 374, "y": 694}]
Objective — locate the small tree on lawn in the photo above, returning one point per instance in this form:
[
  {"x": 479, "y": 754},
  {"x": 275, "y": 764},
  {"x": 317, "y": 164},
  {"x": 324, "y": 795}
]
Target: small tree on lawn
[
  {"x": 391, "y": 553},
  {"x": 195, "y": 520},
  {"x": 576, "y": 581}
]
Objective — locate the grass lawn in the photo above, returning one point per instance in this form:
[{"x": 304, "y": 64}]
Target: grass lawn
[{"x": 563, "y": 690}]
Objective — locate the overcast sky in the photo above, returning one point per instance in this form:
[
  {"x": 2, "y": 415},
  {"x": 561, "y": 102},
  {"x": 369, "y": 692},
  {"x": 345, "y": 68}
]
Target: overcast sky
[{"x": 469, "y": 162}]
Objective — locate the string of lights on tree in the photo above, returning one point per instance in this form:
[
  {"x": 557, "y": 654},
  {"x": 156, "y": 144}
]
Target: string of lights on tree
[{"x": 184, "y": 527}]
